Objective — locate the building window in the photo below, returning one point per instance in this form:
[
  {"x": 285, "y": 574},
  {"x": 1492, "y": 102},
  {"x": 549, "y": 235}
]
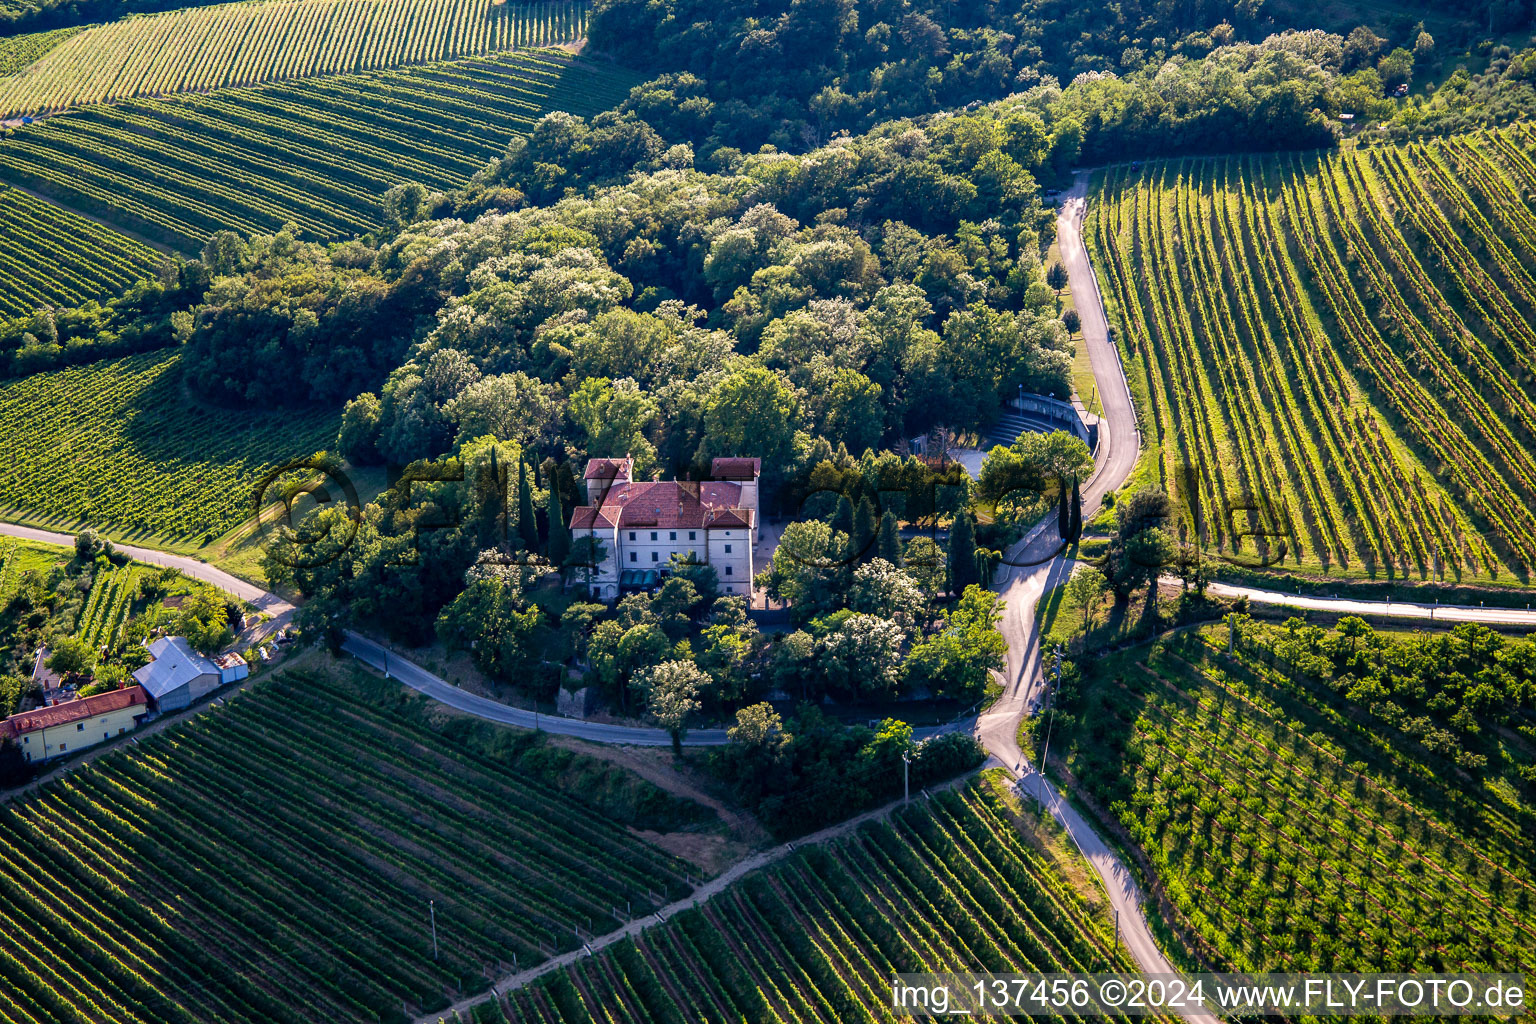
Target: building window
[
  {"x": 727, "y": 549},
  {"x": 79, "y": 727},
  {"x": 63, "y": 747},
  {"x": 634, "y": 556},
  {"x": 693, "y": 535},
  {"x": 655, "y": 556},
  {"x": 106, "y": 735},
  {"x": 728, "y": 571},
  {"x": 730, "y": 590},
  {"x": 672, "y": 535},
  {"x": 653, "y": 535},
  {"x": 631, "y": 534}
]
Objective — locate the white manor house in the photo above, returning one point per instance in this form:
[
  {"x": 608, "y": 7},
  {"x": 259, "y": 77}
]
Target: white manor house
[{"x": 643, "y": 525}]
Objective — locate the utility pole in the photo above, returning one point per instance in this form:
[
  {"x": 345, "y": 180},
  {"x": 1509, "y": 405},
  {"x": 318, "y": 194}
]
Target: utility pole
[
  {"x": 386, "y": 663},
  {"x": 906, "y": 774},
  {"x": 432, "y": 909},
  {"x": 1117, "y": 932}
]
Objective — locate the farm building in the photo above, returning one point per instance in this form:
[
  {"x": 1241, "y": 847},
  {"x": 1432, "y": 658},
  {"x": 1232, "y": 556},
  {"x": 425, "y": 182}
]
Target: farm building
[
  {"x": 178, "y": 675},
  {"x": 74, "y": 725}
]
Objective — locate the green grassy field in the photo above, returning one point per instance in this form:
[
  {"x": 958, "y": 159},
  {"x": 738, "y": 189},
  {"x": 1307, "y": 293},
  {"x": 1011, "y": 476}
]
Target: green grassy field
[
  {"x": 274, "y": 860},
  {"x": 1310, "y": 802},
  {"x": 23, "y": 556},
  {"x": 315, "y": 152},
  {"x": 51, "y": 257},
  {"x": 949, "y": 884},
  {"x": 1341, "y": 341},
  {"x": 201, "y": 48},
  {"x": 121, "y": 442}
]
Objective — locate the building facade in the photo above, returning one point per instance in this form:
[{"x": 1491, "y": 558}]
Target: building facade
[
  {"x": 645, "y": 527},
  {"x": 51, "y": 732}
]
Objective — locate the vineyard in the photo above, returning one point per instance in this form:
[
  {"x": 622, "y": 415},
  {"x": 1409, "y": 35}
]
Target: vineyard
[
  {"x": 1340, "y": 344},
  {"x": 948, "y": 886},
  {"x": 50, "y": 257},
  {"x": 120, "y": 443},
  {"x": 107, "y": 606},
  {"x": 1296, "y": 833},
  {"x": 316, "y": 152},
  {"x": 16, "y": 52},
  {"x": 298, "y": 832},
  {"x": 204, "y": 48}
]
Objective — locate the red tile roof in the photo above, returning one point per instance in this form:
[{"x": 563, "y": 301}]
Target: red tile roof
[
  {"x": 731, "y": 517},
  {"x": 609, "y": 469},
  {"x": 667, "y": 505},
  {"x": 72, "y": 711},
  {"x": 586, "y": 517},
  {"x": 736, "y": 469}
]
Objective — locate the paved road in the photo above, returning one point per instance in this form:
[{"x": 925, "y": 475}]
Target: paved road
[
  {"x": 270, "y": 603},
  {"x": 1392, "y": 609},
  {"x": 1120, "y": 439},
  {"x": 1035, "y": 565},
  {"x": 419, "y": 679}
]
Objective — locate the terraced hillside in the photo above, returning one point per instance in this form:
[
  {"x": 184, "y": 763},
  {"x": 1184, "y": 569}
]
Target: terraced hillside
[
  {"x": 1342, "y": 341},
  {"x": 202, "y": 48},
  {"x": 948, "y": 885},
  {"x": 50, "y": 257},
  {"x": 274, "y": 861},
  {"x": 316, "y": 152},
  {"x": 1326, "y": 800},
  {"x": 120, "y": 442}
]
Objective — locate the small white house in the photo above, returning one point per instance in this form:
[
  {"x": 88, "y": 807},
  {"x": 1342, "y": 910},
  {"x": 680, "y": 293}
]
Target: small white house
[{"x": 178, "y": 676}]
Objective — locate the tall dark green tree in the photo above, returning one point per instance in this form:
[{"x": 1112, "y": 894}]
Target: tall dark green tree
[
  {"x": 559, "y": 532},
  {"x": 864, "y": 527},
  {"x": 1064, "y": 513},
  {"x": 1077, "y": 509},
  {"x": 527, "y": 525},
  {"x": 842, "y": 518},
  {"x": 889, "y": 545},
  {"x": 963, "y": 568}
]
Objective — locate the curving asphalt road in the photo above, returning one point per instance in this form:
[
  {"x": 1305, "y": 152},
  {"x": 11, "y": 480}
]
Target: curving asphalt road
[
  {"x": 1119, "y": 438},
  {"x": 198, "y": 570},
  {"x": 1035, "y": 565},
  {"x": 417, "y": 678}
]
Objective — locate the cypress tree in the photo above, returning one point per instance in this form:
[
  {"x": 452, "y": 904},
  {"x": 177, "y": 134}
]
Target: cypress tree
[
  {"x": 864, "y": 526},
  {"x": 527, "y": 525},
  {"x": 559, "y": 532},
  {"x": 1077, "y": 510},
  {"x": 842, "y": 519},
  {"x": 962, "y": 554},
  {"x": 889, "y": 546},
  {"x": 1064, "y": 513}
]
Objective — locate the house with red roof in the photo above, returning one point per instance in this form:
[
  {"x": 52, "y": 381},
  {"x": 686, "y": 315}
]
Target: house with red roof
[
  {"x": 646, "y": 527},
  {"x": 64, "y": 728}
]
